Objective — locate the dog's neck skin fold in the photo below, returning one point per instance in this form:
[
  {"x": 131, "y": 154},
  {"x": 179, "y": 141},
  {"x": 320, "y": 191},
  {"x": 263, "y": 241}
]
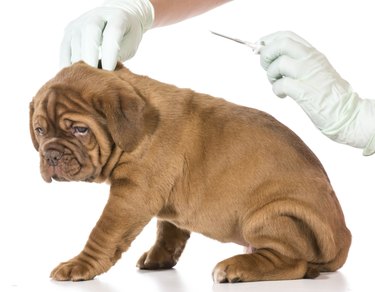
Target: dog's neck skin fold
[{"x": 109, "y": 166}]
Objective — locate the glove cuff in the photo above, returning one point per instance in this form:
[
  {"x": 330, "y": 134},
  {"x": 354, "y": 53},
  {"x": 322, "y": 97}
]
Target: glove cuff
[
  {"x": 355, "y": 125},
  {"x": 143, "y": 9},
  {"x": 369, "y": 124},
  {"x": 370, "y": 148}
]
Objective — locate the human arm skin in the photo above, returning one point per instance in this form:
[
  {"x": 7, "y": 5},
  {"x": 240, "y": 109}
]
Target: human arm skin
[{"x": 172, "y": 11}]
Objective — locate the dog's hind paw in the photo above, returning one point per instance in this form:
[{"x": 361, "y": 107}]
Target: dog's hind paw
[
  {"x": 259, "y": 266},
  {"x": 221, "y": 275}
]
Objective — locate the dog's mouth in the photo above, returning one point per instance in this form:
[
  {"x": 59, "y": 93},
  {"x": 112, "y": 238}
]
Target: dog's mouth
[{"x": 65, "y": 167}]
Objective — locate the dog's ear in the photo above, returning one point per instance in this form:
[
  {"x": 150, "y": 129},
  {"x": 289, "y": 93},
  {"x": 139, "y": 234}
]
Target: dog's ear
[
  {"x": 31, "y": 126},
  {"x": 123, "y": 110},
  {"x": 118, "y": 67}
]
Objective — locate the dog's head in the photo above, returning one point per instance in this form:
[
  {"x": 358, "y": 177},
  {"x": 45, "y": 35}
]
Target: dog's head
[{"x": 80, "y": 118}]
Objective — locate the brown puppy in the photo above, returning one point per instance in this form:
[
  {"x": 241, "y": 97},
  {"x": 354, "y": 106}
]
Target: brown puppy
[{"x": 197, "y": 163}]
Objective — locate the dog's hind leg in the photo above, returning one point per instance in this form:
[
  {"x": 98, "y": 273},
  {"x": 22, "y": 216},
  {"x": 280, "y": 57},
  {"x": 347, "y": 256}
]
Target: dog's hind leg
[
  {"x": 262, "y": 265},
  {"x": 166, "y": 251},
  {"x": 284, "y": 247}
]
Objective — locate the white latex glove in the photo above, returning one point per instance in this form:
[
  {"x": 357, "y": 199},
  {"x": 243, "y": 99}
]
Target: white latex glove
[
  {"x": 298, "y": 70},
  {"x": 111, "y": 32}
]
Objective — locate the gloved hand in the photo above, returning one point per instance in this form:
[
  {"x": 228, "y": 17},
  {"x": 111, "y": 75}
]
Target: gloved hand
[
  {"x": 298, "y": 70},
  {"x": 111, "y": 32}
]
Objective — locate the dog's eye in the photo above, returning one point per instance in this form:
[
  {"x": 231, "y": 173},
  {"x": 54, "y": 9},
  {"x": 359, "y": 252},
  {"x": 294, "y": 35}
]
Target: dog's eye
[
  {"x": 80, "y": 130},
  {"x": 40, "y": 131}
]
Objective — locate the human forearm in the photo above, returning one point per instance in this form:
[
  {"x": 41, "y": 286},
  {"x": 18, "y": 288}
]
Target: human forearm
[{"x": 172, "y": 11}]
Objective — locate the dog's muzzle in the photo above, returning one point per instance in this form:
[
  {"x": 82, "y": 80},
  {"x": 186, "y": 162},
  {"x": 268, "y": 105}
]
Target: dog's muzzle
[
  {"x": 52, "y": 157},
  {"x": 59, "y": 163}
]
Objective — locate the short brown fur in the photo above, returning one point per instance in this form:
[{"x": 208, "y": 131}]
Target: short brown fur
[{"x": 198, "y": 164}]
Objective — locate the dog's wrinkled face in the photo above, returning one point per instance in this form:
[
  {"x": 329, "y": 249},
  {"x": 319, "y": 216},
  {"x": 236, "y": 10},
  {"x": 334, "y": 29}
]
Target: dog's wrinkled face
[
  {"x": 78, "y": 120},
  {"x": 65, "y": 130}
]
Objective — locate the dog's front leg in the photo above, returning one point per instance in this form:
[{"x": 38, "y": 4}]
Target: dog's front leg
[{"x": 119, "y": 224}]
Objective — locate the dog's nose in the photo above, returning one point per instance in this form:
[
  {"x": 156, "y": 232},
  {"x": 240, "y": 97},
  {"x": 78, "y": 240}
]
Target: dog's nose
[{"x": 52, "y": 156}]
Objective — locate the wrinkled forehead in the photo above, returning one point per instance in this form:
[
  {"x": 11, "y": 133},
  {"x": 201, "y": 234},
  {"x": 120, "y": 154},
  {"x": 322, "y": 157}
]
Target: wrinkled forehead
[
  {"x": 57, "y": 99},
  {"x": 76, "y": 89},
  {"x": 78, "y": 84},
  {"x": 58, "y": 104}
]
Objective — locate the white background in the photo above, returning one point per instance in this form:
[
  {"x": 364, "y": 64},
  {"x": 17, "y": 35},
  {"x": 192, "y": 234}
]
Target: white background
[{"x": 43, "y": 224}]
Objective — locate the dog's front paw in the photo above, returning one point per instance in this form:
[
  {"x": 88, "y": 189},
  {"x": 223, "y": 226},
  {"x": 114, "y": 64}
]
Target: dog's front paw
[{"x": 74, "y": 270}]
